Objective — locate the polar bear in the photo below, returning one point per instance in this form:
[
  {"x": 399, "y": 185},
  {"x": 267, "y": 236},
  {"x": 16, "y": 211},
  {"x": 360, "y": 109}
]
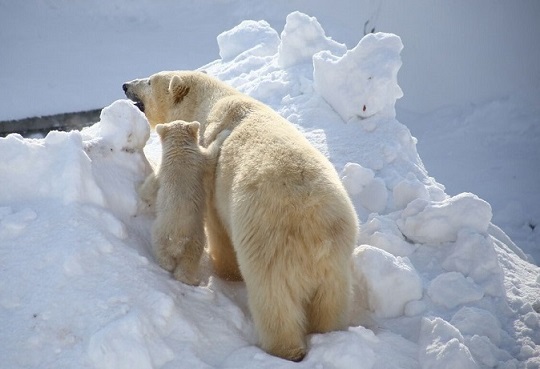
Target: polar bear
[
  {"x": 179, "y": 191},
  {"x": 279, "y": 216}
]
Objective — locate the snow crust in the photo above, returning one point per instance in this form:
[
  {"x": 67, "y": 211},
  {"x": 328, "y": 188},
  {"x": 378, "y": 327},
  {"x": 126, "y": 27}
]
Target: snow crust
[{"x": 437, "y": 285}]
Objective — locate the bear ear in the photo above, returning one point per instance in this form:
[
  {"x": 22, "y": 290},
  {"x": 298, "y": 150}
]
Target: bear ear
[
  {"x": 178, "y": 89},
  {"x": 193, "y": 129},
  {"x": 161, "y": 130}
]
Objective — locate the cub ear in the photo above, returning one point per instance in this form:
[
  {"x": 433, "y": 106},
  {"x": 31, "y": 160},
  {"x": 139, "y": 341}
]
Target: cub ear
[
  {"x": 193, "y": 129},
  {"x": 161, "y": 130},
  {"x": 177, "y": 89}
]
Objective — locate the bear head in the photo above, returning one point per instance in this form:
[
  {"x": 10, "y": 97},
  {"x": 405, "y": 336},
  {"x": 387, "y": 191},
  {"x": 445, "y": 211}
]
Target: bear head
[
  {"x": 158, "y": 95},
  {"x": 168, "y": 96},
  {"x": 179, "y": 133}
]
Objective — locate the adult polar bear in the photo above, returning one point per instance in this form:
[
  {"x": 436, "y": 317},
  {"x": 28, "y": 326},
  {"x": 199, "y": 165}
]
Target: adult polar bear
[{"x": 279, "y": 216}]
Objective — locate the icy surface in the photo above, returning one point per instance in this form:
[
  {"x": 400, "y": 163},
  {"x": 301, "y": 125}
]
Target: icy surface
[{"x": 438, "y": 285}]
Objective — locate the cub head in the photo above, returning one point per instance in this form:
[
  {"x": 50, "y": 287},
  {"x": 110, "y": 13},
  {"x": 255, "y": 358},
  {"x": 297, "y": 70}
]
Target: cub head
[
  {"x": 164, "y": 96},
  {"x": 178, "y": 134}
]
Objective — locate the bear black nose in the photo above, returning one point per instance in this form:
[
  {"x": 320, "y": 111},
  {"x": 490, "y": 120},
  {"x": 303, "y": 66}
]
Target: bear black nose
[{"x": 125, "y": 87}]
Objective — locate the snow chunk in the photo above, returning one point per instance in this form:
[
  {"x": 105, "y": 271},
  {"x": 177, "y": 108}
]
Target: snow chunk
[
  {"x": 303, "y": 37},
  {"x": 383, "y": 233},
  {"x": 439, "y": 222},
  {"x": 361, "y": 184},
  {"x": 343, "y": 349},
  {"x": 453, "y": 289},
  {"x": 473, "y": 321},
  {"x": 442, "y": 347},
  {"x": 123, "y": 126},
  {"x": 363, "y": 82},
  {"x": 409, "y": 189},
  {"x": 115, "y": 145},
  {"x": 249, "y": 37},
  {"x": 53, "y": 167},
  {"x": 474, "y": 256},
  {"x": 391, "y": 282}
]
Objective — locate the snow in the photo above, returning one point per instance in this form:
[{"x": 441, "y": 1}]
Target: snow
[
  {"x": 423, "y": 221},
  {"x": 438, "y": 284},
  {"x": 369, "y": 84},
  {"x": 381, "y": 272}
]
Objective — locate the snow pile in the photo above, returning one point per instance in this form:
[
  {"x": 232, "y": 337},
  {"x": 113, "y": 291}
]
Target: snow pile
[{"x": 437, "y": 285}]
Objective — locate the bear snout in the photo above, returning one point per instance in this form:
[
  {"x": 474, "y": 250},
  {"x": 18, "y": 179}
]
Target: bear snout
[{"x": 132, "y": 96}]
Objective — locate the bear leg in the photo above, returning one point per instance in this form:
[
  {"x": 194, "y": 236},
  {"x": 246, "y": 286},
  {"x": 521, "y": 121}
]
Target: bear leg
[
  {"x": 220, "y": 248},
  {"x": 187, "y": 267},
  {"x": 329, "y": 307},
  {"x": 148, "y": 191},
  {"x": 167, "y": 243},
  {"x": 279, "y": 317}
]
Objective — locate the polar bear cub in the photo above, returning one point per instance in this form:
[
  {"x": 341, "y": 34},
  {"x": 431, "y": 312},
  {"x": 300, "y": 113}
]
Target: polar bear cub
[{"x": 179, "y": 189}]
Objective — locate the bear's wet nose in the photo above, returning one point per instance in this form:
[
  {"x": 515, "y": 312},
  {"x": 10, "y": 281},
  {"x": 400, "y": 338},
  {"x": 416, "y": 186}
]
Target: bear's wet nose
[{"x": 125, "y": 87}]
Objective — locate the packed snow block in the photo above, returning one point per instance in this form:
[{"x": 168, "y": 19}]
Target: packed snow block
[
  {"x": 453, "y": 289},
  {"x": 441, "y": 346},
  {"x": 474, "y": 321},
  {"x": 474, "y": 256},
  {"x": 124, "y": 126},
  {"x": 303, "y": 37},
  {"x": 363, "y": 186},
  {"x": 363, "y": 81},
  {"x": 55, "y": 167},
  {"x": 408, "y": 190},
  {"x": 115, "y": 146},
  {"x": 383, "y": 233},
  {"x": 390, "y": 282},
  {"x": 348, "y": 349},
  {"x": 249, "y": 37},
  {"x": 439, "y": 222}
]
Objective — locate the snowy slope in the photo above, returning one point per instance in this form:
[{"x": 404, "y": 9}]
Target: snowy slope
[{"x": 437, "y": 284}]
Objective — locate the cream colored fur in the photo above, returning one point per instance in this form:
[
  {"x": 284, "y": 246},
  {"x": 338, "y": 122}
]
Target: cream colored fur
[
  {"x": 179, "y": 191},
  {"x": 279, "y": 216}
]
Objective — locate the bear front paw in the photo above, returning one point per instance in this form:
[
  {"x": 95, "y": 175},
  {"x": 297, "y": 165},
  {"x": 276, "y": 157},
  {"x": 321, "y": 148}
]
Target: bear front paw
[
  {"x": 186, "y": 278},
  {"x": 167, "y": 262}
]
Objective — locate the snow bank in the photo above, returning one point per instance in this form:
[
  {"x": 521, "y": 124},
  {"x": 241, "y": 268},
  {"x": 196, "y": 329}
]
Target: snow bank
[{"x": 439, "y": 285}]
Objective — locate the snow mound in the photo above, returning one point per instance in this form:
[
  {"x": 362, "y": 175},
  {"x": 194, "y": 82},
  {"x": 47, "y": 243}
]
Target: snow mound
[{"x": 439, "y": 286}]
